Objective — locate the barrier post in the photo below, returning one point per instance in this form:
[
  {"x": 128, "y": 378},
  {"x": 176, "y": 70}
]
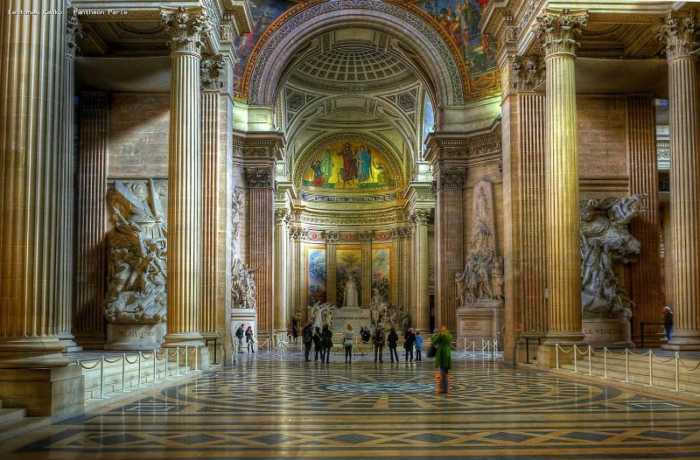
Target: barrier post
[
  {"x": 575, "y": 359},
  {"x": 590, "y": 364},
  {"x": 177, "y": 360},
  {"x": 556, "y": 355},
  {"x": 187, "y": 353},
  {"x": 677, "y": 364},
  {"x": 605, "y": 362},
  {"x": 155, "y": 369},
  {"x": 102, "y": 377},
  {"x": 123, "y": 372},
  {"x": 651, "y": 368},
  {"x": 627, "y": 365},
  {"x": 138, "y": 374}
]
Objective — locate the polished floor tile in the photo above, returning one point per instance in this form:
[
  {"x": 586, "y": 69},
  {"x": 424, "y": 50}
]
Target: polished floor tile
[{"x": 279, "y": 407}]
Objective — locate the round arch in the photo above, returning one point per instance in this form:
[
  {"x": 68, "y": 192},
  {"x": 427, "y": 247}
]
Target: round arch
[{"x": 416, "y": 30}]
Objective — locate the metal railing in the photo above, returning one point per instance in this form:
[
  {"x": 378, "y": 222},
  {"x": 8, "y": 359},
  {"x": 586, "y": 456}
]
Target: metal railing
[
  {"x": 151, "y": 360},
  {"x": 487, "y": 347},
  {"x": 645, "y": 368}
]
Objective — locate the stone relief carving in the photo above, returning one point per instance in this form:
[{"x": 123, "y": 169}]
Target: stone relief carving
[
  {"x": 322, "y": 314},
  {"x": 606, "y": 242},
  {"x": 243, "y": 287},
  {"x": 384, "y": 314},
  {"x": 482, "y": 278},
  {"x": 137, "y": 255}
]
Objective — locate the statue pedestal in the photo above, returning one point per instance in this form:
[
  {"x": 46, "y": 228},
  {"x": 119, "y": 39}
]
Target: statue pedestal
[
  {"x": 134, "y": 337},
  {"x": 604, "y": 332},
  {"x": 357, "y": 317},
  {"x": 483, "y": 319}
]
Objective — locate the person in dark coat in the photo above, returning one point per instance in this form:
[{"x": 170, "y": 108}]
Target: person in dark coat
[
  {"x": 307, "y": 336},
  {"x": 668, "y": 321},
  {"x": 318, "y": 344},
  {"x": 327, "y": 342},
  {"x": 443, "y": 355},
  {"x": 393, "y": 341},
  {"x": 409, "y": 339},
  {"x": 250, "y": 339},
  {"x": 378, "y": 340}
]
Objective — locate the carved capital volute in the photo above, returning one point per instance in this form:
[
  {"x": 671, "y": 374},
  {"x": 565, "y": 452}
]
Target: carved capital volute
[
  {"x": 211, "y": 72},
  {"x": 74, "y": 32},
  {"x": 259, "y": 177},
  {"x": 281, "y": 215},
  {"x": 678, "y": 34},
  {"x": 421, "y": 216},
  {"x": 187, "y": 29},
  {"x": 526, "y": 73},
  {"x": 450, "y": 179},
  {"x": 558, "y": 30}
]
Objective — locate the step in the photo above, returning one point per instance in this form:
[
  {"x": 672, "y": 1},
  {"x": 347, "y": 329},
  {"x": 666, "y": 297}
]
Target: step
[{"x": 9, "y": 417}]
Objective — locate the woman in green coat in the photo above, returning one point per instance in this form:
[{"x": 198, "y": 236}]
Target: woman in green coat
[{"x": 443, "y": 355}]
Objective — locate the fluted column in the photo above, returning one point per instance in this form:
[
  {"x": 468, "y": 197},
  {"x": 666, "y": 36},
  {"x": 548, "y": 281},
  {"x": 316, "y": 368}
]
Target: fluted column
[
  {"x": 280, "y": 264},
  {"x": 558, "y": 30},
  {"x": 645, "y": 286},
  {"x": 260, "y": 213},
  {"x": 64, "y": 315},
  {"x": 421, "y": 218},
  {"x": 186, "y": 28},
  {"x": 88, "y": 320},
  {"x": 679, "y": 33},
  {"x": 31, "y": 153}
]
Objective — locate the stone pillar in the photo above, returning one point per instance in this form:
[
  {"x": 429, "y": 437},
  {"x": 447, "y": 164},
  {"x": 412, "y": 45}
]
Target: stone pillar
[
  {"x": 645, "y": 288},
  {"x": 331, "y": 270},
  {"x": 88, "y": 319},
  {"x": 297, "y": 269},
  {"x": 31, "y": 154},
  {"x": 366, "y": 281},
  {"x": 281, "y": 262},
  {"x": 64, "y": 315},
  {"x": 449, "y": 218},
  {"x": 421, "y": 218},
  {"x": 186, "y": 29},
  {"x": 261, "y": 225},
  {"x": 558, "y": 31},
  {"x": 679, "y": 32}
]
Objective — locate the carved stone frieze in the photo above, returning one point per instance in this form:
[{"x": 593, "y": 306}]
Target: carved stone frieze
[
  {"x": 422, "y": 216},
  {"x": 187, "y": 28},
  {"x": 558, "y": 30},
  {"x": 450, "y": 178},
  {"x": 526, "y": 73},
  {"x": 211, "y": 72},
  {"x": 259, "y": 177},
  {"x": 679, "y": 35},
  {"x": 74, "y": 32}
]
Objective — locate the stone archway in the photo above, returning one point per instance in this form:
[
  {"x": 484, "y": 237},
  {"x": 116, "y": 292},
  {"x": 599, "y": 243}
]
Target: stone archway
[{"x": 419, "y": 36}]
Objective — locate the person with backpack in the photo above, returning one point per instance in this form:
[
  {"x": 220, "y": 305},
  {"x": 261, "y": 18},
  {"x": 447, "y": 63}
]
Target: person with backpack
[
  {"x": 307, "y": 337},
  {"x": 378, "y": 340},
  {"x": 327, "y": 343},
  {"x": 393, "y": 340}
]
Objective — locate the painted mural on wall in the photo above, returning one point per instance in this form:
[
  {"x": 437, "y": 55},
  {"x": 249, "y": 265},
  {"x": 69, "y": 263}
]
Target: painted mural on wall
[
  {"x": 460, "y": 18},
  {"x": 348, "y": 264},
  {"x": 381, "y": 272},
  {"x": 316, "y": 269},
  {"x": 348, "y": 165}
]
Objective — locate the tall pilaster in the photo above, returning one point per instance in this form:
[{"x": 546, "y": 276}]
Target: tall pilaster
[
  {"x": 558, "y": 32},
  {"x": 280, "y": 275},
  {"x": 679, "y": 33},
  {"x": 645, "y": 291},
  {"x": 366, "y": 281},
  {"x": 88, "y": 319},
  {"x": 421, "y": 219},
  {"x": 186, "y": 28},
  {"x": 31, "y": 151},
  {"x": 64, "y": 315}
]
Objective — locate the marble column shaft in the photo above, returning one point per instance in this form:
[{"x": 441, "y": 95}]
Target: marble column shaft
[
  {"x": 561, "y": 178},
  {"x": 32, "y": 111},
  {"x": 645, "y": 289},
  {"x": 421, "y": 250},
  {"x": 679, "y": 32},
  {"x": 186, "y": 29},
  {"x": 280, "y": 274},
  {"x": 89, "y": 323}
]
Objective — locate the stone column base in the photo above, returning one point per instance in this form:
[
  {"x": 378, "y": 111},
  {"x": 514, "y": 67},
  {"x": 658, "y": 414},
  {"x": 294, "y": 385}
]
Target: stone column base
[
  {"x": 547, "y": 355},
  {"x": 134, "y": 337},
  {"x": 680, "y": 343},
  {"x": 54, "y": 392}
]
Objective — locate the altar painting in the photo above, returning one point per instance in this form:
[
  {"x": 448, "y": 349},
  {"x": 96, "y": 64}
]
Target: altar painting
[
  {"x": 381, "y": 272},
  {"x": 348, "y": 165},
  {"x": 316, "y": 274},
  {"x": 348, "y": 263}
]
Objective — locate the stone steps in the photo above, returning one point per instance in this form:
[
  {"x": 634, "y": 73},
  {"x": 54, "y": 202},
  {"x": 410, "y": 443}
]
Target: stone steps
[{"x": 14, "y": 422}]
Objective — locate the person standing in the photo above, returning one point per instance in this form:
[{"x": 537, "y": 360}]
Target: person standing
[
  {"x": 408, "y": 340},
  {"x": 378, "y": 340},
  {"x": 347, "y": 343},
  {"x": 327, "y": 338},
  {"x": 318, "y": 344},
  {"x": 307, "y": 336},
  {"x": 240, "y": 333},
  {"x": 443, "y": 356},
  {"x": 419, "y": 346},
  {"x": 668, "y": 322},
  {"x": 392, "y": 341},
  {"x": 295, "y": 332},
  {"x": 250, "y": 339}
]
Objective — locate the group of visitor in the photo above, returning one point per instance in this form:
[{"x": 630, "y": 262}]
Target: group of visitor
[
  {"x": 247, "y": 332},
  {"x": 413, "y": 340},
  {"x": 321, "y": 339}
]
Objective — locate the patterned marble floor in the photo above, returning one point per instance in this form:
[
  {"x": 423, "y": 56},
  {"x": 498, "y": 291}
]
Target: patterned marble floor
[{"x": 279, "y": 407}]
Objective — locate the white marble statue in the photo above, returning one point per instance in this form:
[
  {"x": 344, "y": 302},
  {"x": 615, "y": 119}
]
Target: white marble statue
[
  {"x": 321, "y": 314},
  {"x": 351, "y": 297}
]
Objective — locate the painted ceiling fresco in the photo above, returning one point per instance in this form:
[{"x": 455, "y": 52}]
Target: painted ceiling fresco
[
  {"x": 347, "y": 166},
  {"x": 459, "y": 18}
]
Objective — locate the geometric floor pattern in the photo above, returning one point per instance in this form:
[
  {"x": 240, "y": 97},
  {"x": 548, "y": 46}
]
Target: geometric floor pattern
[{"x": 276, "y": 407}]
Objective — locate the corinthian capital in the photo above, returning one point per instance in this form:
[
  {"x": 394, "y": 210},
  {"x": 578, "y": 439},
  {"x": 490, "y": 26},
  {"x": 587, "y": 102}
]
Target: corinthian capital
[
  {"x": 74, "y": 32},
  {"x": 557, "y": 30},
  {"x": 212, "y": 75},
  {"x": 187, "y": 28},
  {"x": 678, "y": 33}
]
